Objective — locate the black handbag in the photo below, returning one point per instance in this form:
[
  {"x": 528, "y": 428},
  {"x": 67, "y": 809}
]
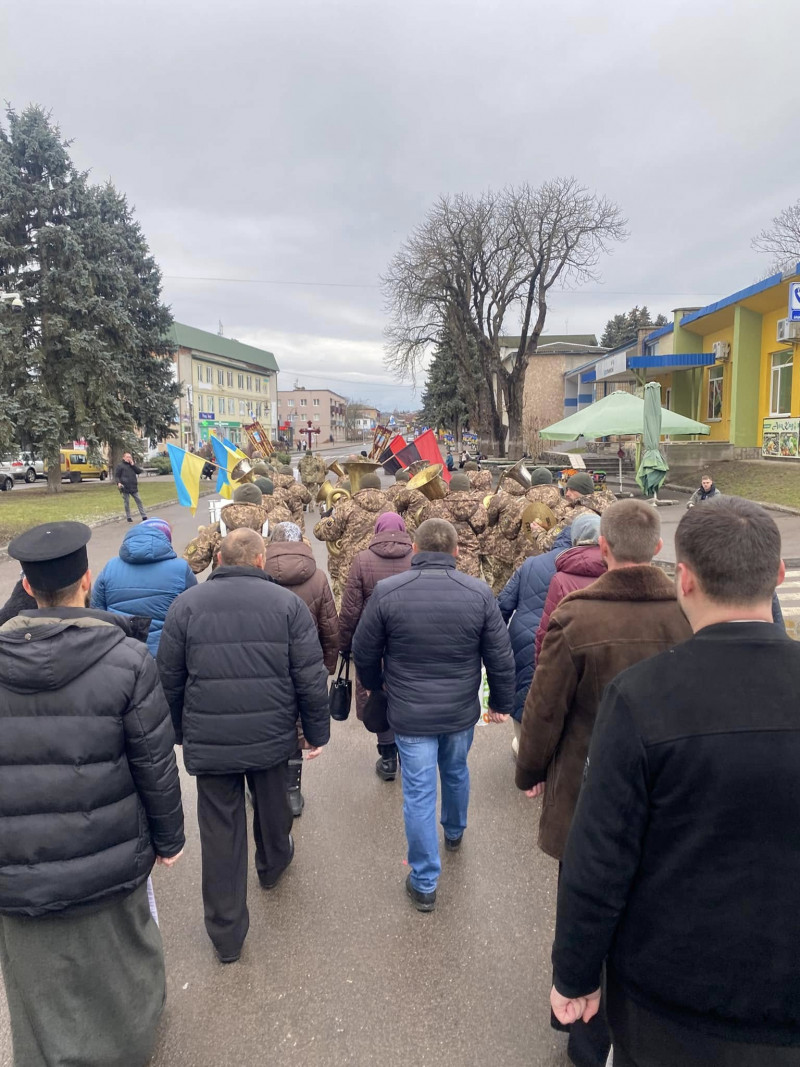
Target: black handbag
[
  {"x": 340, "y": 694},
  {"x": 375, "y": 717}
]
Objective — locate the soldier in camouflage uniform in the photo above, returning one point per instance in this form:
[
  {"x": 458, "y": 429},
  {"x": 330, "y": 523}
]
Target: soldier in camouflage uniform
[
  {"x": 464, "y": 510},
  {"x": 312, "y": 472},
  {"x": 543, "y": 491},
  {"x": 246, "y": 510},
  {"x": 481, "y": 481},
  {"x": 501, "y": 543},
  {"x": 276, "y": 510},
  {"x": 292, "y": 494},
  {"x": 352, "y": 524},
  {"x": 401, "y": 480},
  {"x": 579, "y": 499}
]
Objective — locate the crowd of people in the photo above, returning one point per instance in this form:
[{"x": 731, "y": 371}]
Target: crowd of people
[{"x": 655, "y": 717}]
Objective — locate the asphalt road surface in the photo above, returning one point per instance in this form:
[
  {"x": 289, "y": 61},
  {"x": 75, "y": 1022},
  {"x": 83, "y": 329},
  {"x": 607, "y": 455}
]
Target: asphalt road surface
[{"x": 338, "y": 967}]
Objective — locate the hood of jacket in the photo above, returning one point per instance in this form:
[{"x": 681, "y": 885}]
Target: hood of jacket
[
  {"x": 48, "y": 648},
  {"x": 373, "y": 500},
  {"x": 146, "y": 544},
  {"x": 584, "y": 560},
  {"x": 289, "y": 562},
  {"x": 391, "y": 544}
]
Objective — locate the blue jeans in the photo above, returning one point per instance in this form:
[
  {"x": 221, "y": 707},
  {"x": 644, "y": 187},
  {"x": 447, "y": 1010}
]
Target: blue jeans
[{"x": 419, "y": 757}]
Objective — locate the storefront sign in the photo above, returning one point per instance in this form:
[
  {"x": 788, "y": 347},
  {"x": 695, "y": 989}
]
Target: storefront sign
[
  {"x": 781, "y": 438},
  {"x": 611, "y": 365},
  {"x": 794, "y": 302},
  {"x": 206, "y": 415}
]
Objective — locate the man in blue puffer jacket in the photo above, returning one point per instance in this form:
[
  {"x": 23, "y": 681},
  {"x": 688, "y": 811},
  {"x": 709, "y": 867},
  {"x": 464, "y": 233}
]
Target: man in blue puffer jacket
[
  {"x": 144, "y": 578},
  {"x": 523, "y": 598}
]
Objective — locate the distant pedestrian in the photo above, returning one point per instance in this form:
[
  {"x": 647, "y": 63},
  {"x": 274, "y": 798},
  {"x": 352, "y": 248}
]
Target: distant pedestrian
[
  {"x": 422, "y": 637},
  {"x": 450, "y": 462},
  {"x": 126, "y": 477},
  {"x": 707, "y": 491},
  {"x": 240, "y": 659},
  {"x": 144, "y": 578},
  {"x": 624, "y": 616},
  {"x": 291, "y": 564},
  {"x": 389, "y": 552},
  {"x": 682, "y": 865},
  {"x": 464, "y": 458},
  {"x": 90, "y": 799}
]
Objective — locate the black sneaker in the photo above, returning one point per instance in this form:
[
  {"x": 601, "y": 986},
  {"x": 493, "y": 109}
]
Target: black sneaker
[
  {"x": 130, "y": 519},
  {"x": 386, "y": 766},
  {"x": 274, "y": 882},
  {"x": 422, "y": 901},
  {"x": 228, "y": 959},
  {"x": 453, "y": 844}
]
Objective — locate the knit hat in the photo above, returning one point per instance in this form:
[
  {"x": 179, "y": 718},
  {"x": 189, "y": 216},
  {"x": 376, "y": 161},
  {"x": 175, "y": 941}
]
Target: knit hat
[
  {"x": 265, "y": 485},
  {"x": 582, "y": 483},
  {"x": 262, "y": 468},
  {"x": 541, "y": 476},
  {"x": 370, "y": 481},
  {"x": 286, "y": 469},
  {"x": 160, "y": 524},
  {"x": 390, "y": 520},
  {"x": 459, "y": 483},
  {"x": 585, "y": 530},
  {"x": 247, "y": 494},
  {"x": 287, "y": 531},
  {"x": 471, "y": 465},
  {"x": 402, "y": 476}
]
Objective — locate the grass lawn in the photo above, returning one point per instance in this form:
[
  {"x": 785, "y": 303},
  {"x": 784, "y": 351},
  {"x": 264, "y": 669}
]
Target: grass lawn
[
  {"x": 764, "y": 480},
  {"x": 19, "y": 510}
]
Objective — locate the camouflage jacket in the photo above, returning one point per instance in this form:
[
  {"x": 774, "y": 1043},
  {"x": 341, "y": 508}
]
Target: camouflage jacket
[
  {"x": 592, "y": 504},
  {"x": 410, "y": 503},
  {"x": 352, "y": 523},
  {"x": 466, "y": 512},
  {"x": 504, "y": 514},
  {"x": 312, "y": 471},
  {"x": 481, "y": 481},
  {"x": 203, "y": 549}
]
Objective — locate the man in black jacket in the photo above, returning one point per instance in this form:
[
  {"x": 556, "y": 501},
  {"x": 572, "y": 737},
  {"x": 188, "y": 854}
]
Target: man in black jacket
[
  {"x": 423, "y": 636},
  {"x": 682, "y": 865},
  {"x": 126, "y": 477},
  {"x": 240, "y": 659},
  {"x": 89, "y": 799}
]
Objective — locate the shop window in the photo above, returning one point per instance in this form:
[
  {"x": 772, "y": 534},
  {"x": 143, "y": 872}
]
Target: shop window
[
  {"x": 780, "y": 397},
  {"x": 715, "y": 394}
]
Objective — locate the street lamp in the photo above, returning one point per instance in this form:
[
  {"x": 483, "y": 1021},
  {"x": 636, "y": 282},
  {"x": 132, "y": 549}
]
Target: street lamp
[{"x": 14, "y": 299}]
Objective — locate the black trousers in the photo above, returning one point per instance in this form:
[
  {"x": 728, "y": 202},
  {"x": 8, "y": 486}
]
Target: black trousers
[{"x": 222, "y": 817}]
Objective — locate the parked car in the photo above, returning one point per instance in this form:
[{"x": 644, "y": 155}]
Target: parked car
[
  {"x": 25, "y": 467},
  {"x": 76, "y": 465},
  {"x": 6, "y": 475}
]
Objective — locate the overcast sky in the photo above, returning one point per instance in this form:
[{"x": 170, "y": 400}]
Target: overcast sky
[{"x": 298, "y": 143}]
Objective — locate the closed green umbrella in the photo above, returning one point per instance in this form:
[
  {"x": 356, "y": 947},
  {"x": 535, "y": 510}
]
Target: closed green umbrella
[{"x": 653, "y": 468}]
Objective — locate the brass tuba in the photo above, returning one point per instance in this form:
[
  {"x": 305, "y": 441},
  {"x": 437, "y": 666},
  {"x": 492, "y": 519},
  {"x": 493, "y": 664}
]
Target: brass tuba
[
  {"x": 242, "y": 472},
  {"x": 335, "y": 467},
  {"x": 519, "y": 473},
  {"x": 356, "y": 469},
  {"x": 330, "y": 495},
  {"x": 430, "y": 482}
]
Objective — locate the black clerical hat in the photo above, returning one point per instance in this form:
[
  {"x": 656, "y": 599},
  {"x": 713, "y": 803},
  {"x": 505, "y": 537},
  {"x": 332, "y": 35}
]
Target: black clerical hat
[{"x": 52, "y": 555}]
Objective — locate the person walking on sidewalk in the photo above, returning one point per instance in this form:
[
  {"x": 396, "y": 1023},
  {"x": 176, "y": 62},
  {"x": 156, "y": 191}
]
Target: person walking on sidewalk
[
  {"x": 126, "y": 476},
  {"x": 389, "y": 553},
  {"x": 240, "y": 659},
  {"x": 422, "y": 637},
  {"x": 682, "y": 865},
  {"x": 90, "y": 800}
]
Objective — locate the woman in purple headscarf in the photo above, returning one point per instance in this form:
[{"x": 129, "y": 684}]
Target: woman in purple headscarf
[{"x": 389, "y": 552}]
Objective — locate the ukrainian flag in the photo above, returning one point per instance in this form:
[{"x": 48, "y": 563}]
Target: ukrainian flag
[
  {"x": 227, "y": 455},
  {"x": 187, "y": 470}
]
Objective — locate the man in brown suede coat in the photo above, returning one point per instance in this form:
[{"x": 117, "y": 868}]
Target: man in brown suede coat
[{"x": 627, "y": 615}]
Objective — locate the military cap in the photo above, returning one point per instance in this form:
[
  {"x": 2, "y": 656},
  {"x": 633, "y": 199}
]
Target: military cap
[
  {"x": 53, "y": 555},
  {"x": 471, "y": 465},
  {"x": 402, "y": 476},
  {"x": 460, "y": 483},
  {"x": 265, "y": 485},
  {"x": 247, "y": 494},
  {"x": 541, "y": 476},
  {"x": 286, "y": 469},
  {"x": 370, "y": 481},
  {"x": 581, "y": 483}
]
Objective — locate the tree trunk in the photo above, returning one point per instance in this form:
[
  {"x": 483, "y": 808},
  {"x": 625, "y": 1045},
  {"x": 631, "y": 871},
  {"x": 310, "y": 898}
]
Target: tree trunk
[
  {"x": 514, "y": 396},
  {"x": 52, "y": 457}
]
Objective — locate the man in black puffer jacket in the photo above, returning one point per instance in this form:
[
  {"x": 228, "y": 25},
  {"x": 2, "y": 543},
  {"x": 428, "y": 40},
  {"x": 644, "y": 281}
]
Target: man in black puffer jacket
[
  {"x": 89, "y": 797},
  {"x": 240, "y": 659},
  {"x": 423, "y": 636}
]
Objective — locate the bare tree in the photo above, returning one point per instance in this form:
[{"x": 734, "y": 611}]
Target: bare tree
[
  {"x": 475, "y": 262},
  {"x": 781, "y": 241}
]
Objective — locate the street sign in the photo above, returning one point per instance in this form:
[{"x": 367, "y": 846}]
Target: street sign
[
  {"x": 206, "y": 415},
  {"x": 794, "y": 302}
]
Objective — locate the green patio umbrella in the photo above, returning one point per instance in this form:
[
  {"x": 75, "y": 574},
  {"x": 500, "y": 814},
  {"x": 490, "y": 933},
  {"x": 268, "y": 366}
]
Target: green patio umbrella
[{"x": 653, "y": 468}]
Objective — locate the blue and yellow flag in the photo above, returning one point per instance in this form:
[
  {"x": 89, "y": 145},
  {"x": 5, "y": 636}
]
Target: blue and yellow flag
[
  {"x": 227, "y": 455},
  {"x": 187, "y": 470}
]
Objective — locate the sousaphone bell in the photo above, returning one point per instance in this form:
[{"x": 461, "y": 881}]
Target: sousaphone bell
[
  {"x": 519, "y": 473},
  {"x": 335, "y": 467},
  {"x": 329, "y": 495},
  {"x": 430, "y": 482},
  {"x": 356, "y": 469},
  {"x": 242, "y": 472}
]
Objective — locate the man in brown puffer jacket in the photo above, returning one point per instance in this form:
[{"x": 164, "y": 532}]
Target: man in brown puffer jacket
[
  {"x": 389, "y": 552},
  {"x": 291, "y": 563},
  {"x": 465, "y": 511},
  {"x": 353, "y": 522}
]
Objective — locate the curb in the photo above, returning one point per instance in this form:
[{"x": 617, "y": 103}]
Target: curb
[
  {"x": 108, "y": 520},
  {"x": 762, "y": 503}
]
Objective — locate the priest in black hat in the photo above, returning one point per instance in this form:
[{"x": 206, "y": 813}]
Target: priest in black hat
[{"x": 88, "y": 768}]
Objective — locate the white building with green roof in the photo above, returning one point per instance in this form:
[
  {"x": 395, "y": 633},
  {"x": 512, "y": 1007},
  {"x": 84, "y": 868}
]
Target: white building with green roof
[{"x": 225, "y": 384}]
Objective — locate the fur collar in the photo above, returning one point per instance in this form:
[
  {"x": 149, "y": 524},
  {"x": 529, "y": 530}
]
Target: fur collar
[{"x": 644, "y": 582}]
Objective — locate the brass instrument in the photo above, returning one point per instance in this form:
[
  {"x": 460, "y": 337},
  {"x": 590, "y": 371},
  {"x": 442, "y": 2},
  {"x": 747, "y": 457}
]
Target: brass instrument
[
  {"x": 259, "y": 439},
  {"x": 330, "y": 495},
  {"x": 417, "y": 466},
  {"x": 334, "y": 547},
  {"x": 519, "y": 473},
  {"x": 430, "y": 482},
  {"x": 242, "y": 472},
  {"x": 335, "y": 467},
  {"x": 356, "y": 469},
  {"x": 380, "y": 439},
  {"x": 537, "y": 512}
]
